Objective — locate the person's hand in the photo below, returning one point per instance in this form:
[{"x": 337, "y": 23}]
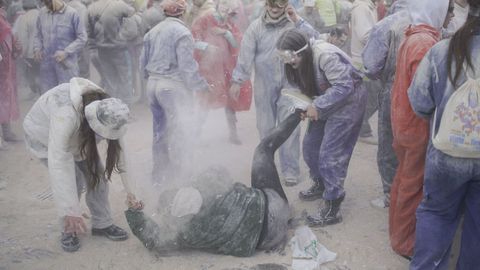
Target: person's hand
[
  {"x": 218, "y": 31},
  {"x": 133, "y": 203},
  {"x": 234, "y": 91},
  {"x": 292, "y": 13},
  {"x": 303, "y": 115},
  {"x": 312, "y": 113},
  {"x": 38, "y": 56},
  {"x": 60, "y": 56},
  {"x": 74, "y": 225}
]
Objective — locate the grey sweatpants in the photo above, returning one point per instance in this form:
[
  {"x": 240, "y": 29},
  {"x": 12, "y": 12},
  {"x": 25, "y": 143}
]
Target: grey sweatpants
[{"x": 96, "y": 199}]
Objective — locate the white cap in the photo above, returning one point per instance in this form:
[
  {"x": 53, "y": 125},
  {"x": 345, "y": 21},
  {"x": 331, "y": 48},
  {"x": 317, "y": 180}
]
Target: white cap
[
  {"x": 108, "y": 117},
  {"x": 187, "y": 201}
]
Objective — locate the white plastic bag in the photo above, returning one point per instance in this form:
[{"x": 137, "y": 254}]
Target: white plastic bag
[{"x": 307, "y": 252}]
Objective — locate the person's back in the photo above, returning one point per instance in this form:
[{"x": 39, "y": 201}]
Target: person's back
[
  {"x": 24, "y": 29},
  {"x": 105, "y": 22},
  {"x": 411, "y": 133},
  {"x": 380, "y": 53},
  {"x": 364, "y": 17},
  {"x": 37, "y": 122},
  {"x": 451, "y": 181},
  {"x": 161, "y": 52}
]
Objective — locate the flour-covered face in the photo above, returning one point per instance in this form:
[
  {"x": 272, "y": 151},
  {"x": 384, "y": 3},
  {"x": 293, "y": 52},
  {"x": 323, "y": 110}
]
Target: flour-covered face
[
  {"x": 275, "y": 10},
  {"x": 291, "y": 57}
]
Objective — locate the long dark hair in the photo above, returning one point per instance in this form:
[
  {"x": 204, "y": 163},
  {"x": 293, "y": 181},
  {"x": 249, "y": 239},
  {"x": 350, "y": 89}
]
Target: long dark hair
[
  {"x": 460, "y": 44},
  {"x": 304, "y": 76},
  {"x": 88, "y": 146}
]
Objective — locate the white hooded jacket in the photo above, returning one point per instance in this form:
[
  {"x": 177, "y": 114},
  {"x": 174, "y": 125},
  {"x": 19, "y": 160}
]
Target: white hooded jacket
[
  {"x": 364, "y": 17},
  {"x": 429, "y": 12},
  {"x": 52, "y": 132}
]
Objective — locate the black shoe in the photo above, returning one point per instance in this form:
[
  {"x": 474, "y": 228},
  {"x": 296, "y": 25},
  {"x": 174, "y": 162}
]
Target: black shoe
[
  {"x": 112, "y": 232},
  {"x": 328, "y": 215},
  {"x": 407, "y": 257},
  {"x": 313, "y": 193},
  {"x": 70, "y": 242}
]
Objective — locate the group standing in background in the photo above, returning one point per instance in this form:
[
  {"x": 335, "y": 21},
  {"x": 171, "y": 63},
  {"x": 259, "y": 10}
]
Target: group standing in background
[{"x": 188, "y": 57}]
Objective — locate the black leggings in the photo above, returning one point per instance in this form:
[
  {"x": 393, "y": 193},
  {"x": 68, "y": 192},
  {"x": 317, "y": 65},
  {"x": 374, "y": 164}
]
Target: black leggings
[{"x": 264, "y": 171}]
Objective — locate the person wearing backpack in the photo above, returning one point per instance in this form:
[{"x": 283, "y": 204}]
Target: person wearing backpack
[
  {"x": 445, "y": 91},
  {"x": 410, "y": 133}
]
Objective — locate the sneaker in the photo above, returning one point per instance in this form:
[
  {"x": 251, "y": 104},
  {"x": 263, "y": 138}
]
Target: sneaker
[
  {"x": 70, "y": 242},
  {"x": 291, "y": 181},
  {"x": 313, "y": 193},
  {"x": 368, "y": 140},
  {"x": 380, "y": 202},
  {"x": 299, "y": 100},
  {"x": 112, "y": 232}
]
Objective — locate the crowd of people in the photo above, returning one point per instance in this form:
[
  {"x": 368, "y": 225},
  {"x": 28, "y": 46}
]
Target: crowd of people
[{"x": 335, "y": 62}]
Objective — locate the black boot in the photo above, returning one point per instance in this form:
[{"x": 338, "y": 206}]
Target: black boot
[
  {"x": 328, "y": 215},
  {"x": 313, "y": 193}
]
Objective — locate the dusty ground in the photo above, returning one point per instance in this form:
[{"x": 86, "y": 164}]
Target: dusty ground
[{"x": 29, "y": 232}]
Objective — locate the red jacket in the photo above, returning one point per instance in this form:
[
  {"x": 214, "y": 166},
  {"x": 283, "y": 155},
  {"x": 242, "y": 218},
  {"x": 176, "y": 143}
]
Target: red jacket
[{"x": 406, "y": 125}]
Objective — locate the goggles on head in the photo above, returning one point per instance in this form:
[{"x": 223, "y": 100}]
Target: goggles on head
[
  {"x": 288, "y": 56},
  {"x": 277, "y": 3}
]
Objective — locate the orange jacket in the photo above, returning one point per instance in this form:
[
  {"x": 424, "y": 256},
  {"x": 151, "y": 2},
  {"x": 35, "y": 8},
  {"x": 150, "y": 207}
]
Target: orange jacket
[{"x": 406, "y": 125}]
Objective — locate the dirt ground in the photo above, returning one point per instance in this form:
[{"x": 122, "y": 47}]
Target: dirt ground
[{"x": 29, "y": 230}]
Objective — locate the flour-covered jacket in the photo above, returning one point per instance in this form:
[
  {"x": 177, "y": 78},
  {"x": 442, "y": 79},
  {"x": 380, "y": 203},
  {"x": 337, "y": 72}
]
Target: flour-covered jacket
[
  {"x": 364, "y": 17},
  {"x": 52, "y": 132},
  {"x": 380, "y": 53},
  {"x": 431, "y": 88},
  {"x": 258, "y": 49},
  {"x": 397, "y": 6},
  {"x": 60, "y": 31},
  {"x": 105, "y": 21},
  {"x": 336, "y": 78},
  {"x": 168, "y": 54},
  {"x": 24, "y": 31}
]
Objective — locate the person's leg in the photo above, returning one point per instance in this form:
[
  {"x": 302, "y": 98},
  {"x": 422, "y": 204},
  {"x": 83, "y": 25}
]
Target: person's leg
[
  {"x": 108, "y": 60},
  {"x": 408, "y": 191},
  {"x": 290, "y": 150},
  {"x": 438, "y": 215},
  {"x": 67, "y": 70},
  {"x": 311, "y": 149},
  {"x": 160, "y": 149},
  {"x": 99, "y": 206},
  {"x": 47, "y": 74},
  {"x": 386, "y": 159},
  {"x": 373, "y": 87},
  {"x": 84, "y": 63},
  {"x": 264, "y": 172},
  {"x": 96, "y": 199},
  {"x": 469, "y": 257},
  {"x": 265, "y": 107},
  {"x": 340, "y": 136},
  {"x": 232, "y": 126}
]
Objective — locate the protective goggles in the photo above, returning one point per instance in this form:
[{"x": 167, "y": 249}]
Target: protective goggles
[
  {"x": 288, "y": 56},
  {"x": 277, "y": 3}
]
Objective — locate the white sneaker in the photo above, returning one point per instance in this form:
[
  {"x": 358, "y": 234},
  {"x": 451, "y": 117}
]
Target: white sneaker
[
  {"x": 379, "y": 202},
  {"x": 299, "y": 100}
]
